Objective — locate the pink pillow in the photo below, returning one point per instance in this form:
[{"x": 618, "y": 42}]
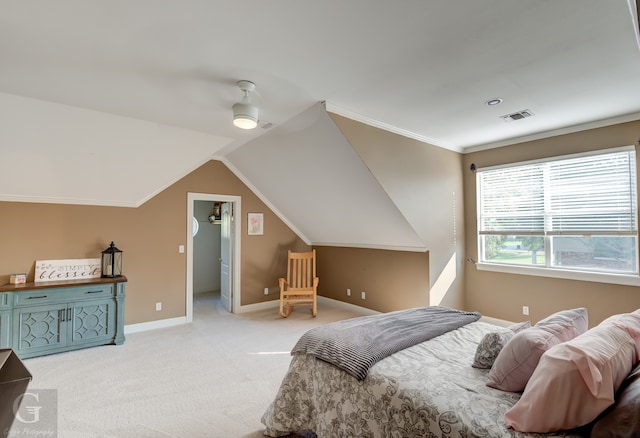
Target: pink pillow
[
  {"x": 576, "y": 380},
  {"x": 574, "y": 317},
  {"x": 518, "y": 359},
  {"x": 630, "y": 322}
]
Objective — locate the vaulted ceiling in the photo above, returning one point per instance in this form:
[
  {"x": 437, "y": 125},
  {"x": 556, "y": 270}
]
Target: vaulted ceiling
[{"x": 92, "y": 87}]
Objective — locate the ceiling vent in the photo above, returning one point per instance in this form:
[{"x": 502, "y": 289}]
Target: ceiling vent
[{"x": 517, "y": 116}]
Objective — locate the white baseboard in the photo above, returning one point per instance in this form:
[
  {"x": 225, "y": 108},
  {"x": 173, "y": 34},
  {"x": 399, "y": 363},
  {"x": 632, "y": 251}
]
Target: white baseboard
[
  {"x": 345, "y": 305},
  {"x": 273, "y": 304},
  {"x": 152, "y": 325},
  {"x": 496, "y": 321}
]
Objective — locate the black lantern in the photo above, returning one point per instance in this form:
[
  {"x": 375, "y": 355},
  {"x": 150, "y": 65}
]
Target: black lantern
[{"x": 112, "y": 262}]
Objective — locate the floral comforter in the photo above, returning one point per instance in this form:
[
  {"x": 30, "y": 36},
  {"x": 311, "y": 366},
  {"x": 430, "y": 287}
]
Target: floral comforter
[{"x": 428, "y": 390}]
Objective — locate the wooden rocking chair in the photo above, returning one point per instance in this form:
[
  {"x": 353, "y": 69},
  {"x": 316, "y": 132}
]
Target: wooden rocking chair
[{"x": 301, "y": 283}]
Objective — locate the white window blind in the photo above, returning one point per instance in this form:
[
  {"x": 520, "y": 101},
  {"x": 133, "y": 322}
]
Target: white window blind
[{"x": 584, "y": 195}]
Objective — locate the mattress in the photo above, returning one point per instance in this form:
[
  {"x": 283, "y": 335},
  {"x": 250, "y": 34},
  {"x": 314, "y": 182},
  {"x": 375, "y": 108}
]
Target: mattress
[{"x": 427, "y": 390}]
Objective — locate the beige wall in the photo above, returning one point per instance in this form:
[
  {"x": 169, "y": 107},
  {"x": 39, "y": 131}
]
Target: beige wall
[
  {"x": 426, "y": 184},
  {"x": 428, "y": 192},
  {"x": 503, "y": 295},
  {"x": 431, "y": 179},
  {"x": 149, "y": 236},
  {"x": 392, "y": 280}
]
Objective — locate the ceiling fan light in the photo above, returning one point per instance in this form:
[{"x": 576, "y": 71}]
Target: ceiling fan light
[{"x": 245, "y": 115}]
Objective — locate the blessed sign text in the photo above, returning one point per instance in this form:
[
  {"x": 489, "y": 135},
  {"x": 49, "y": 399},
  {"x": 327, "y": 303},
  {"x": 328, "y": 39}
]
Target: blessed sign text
[{"x": 70, "y": 269}]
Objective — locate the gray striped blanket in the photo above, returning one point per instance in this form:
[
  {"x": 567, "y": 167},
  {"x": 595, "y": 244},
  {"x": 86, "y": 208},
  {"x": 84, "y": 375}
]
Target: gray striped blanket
[{"x": 356, "y": 344}]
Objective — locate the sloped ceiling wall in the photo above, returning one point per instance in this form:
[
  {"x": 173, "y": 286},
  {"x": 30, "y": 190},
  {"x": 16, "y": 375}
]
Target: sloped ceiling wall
[
  {"x": 315, "y": 180},
  {"x": 304, "y": 169},
  {"x": 68, "y": 155},
  {"x": 426, "y": 184},
  {"x": 424, "y": 181}
]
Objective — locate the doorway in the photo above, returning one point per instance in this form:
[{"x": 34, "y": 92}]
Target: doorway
[
  {"x": 207, "y": 254},
  {"x": 226, "y": 271}
]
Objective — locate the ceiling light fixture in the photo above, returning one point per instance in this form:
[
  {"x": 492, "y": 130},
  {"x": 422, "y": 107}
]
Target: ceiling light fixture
[
  {"x": 492, "y": 102},
  {"x": 245, "y": 115}
]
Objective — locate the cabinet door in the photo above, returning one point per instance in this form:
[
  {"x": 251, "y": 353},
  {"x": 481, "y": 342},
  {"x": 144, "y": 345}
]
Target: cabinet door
[
  {"x": 38, "y": 329},
  {"x": 5, "y": 329},
  {"x": 5, "y": 320},
  {"x": 92, "y": 321}
]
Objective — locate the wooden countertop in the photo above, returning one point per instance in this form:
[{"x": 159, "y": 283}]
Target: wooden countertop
[{"x": 64, "y": 283}]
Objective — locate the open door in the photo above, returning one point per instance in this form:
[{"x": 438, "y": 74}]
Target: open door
[
  {"x": 226, "y": 254},
  {"x": 230, "y": 233}
]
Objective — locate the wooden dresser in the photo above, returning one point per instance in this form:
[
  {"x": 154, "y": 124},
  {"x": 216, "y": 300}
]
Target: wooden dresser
[{"x": 51, "y": 317}]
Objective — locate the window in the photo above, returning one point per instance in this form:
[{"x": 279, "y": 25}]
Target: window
[{"x": 568, "y": 214}]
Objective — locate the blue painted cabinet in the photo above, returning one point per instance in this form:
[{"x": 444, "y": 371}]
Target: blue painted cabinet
[
  {"x": 38, "y": 330},
  {"x": 5, "y": 319},
  {"x": 40, "y": 319}
]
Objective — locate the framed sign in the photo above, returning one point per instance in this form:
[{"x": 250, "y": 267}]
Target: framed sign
[
  {"x": 69, "y": 269},
  {"x": 256, "y": 224}
]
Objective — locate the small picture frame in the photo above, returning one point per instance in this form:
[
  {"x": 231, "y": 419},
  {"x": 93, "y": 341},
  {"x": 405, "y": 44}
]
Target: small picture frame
[{"x": 255, "y": 224}]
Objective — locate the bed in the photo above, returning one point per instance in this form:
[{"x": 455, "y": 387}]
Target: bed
[{"x": 426, "y": 390}]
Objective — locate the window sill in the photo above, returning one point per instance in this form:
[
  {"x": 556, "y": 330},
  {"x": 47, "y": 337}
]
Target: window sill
[{"x": 626, "y": 280}]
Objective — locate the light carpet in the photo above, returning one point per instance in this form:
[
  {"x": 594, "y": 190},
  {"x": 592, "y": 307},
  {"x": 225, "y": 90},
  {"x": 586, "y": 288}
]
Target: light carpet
[{"x": 212, "y": 378}]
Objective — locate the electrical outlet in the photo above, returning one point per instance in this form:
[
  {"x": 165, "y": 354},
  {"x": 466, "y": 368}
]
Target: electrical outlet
[
  {"x": 348, "y": 292},
  {"x": 525, "y": 310},
  {"x": 363, "y": 295},
  {"x": 158, "y": 307},
  {"x": 266, "y": 291}
]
